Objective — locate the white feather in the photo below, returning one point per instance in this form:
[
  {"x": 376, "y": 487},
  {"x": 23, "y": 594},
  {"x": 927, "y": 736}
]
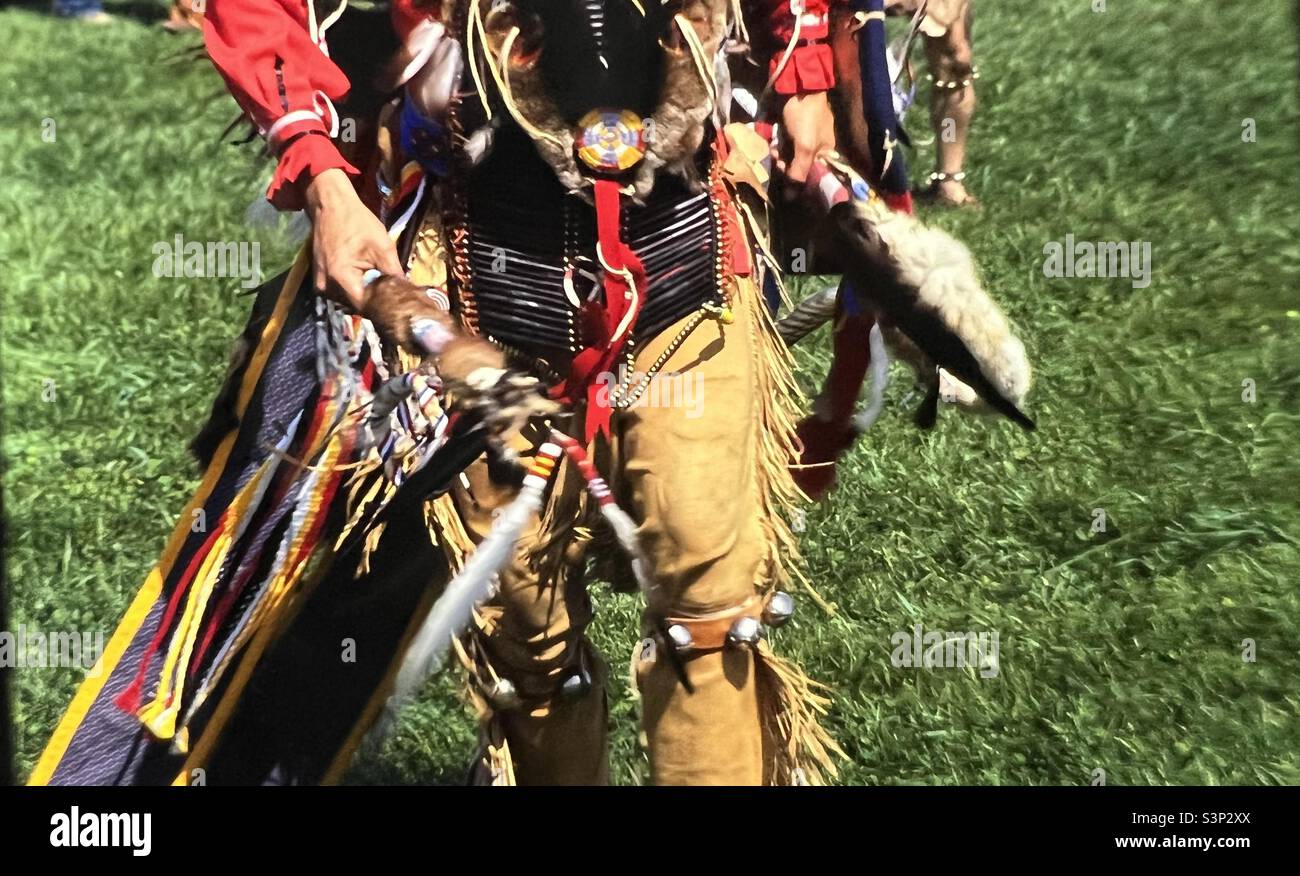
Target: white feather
[
  {"x": 879, "y": 380},
  {"x": 625, "y": 531},
  {"x": 452, "y": 613}
]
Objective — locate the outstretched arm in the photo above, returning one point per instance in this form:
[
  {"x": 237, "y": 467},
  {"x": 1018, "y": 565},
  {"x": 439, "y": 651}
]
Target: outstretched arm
[
  {"x": 284, "y": 82},
  {"x": 271, "y": 54}
]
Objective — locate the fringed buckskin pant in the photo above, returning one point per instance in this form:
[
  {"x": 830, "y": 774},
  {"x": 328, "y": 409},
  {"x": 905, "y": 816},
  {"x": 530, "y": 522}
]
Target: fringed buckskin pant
[{"x": 691, "y": 467}]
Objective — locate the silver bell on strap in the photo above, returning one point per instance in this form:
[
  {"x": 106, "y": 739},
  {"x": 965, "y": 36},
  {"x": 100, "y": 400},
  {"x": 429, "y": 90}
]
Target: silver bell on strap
[
  {"x": 779, "y": 608},
  {"x": 504, "y": 695},
  {"x": 577, "y": 684},
  {"x": 746, "y": 631},
  {"x": 680, "y": 637}
]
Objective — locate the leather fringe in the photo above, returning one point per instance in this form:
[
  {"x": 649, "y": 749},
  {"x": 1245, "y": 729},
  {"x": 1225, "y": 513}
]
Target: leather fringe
[
  {"x": 780, "y": 406},
  {"x": 797, "y": 749}
]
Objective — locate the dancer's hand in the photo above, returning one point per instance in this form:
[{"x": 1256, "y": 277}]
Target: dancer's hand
[
  {"x": 810, "y": 128},
  {"x": 347, "y": 240}
]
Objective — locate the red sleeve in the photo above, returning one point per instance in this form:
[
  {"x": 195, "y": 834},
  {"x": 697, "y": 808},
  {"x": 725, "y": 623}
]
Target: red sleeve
[
  {"x": 284, "y": 82},
  {"x": 811, "y": 65}
]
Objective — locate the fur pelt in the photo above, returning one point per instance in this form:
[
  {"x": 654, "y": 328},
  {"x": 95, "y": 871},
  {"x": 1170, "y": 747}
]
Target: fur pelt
[
  {"x": 928, "y": 374},
  {"x": 676, "y": 127},
  {"x": 937, "y": 296}
]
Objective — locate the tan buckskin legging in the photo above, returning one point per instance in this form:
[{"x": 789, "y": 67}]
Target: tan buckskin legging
[{"x": 687, "y": 475}]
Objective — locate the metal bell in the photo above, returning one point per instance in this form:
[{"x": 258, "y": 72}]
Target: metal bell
[
  {"x": 577, "y": 684},
  {"x": 778, "y": 609},
  {"x": 680, "y": 637},
  {"x": 503, "y": 694},
  {"x": 745, "y": 631}
]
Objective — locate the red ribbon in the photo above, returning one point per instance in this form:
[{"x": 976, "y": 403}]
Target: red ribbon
[{"x": 601, "y": 340}]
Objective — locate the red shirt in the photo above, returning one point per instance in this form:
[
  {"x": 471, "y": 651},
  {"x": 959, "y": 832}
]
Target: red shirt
[
  {"x": 285, "y": 83},
  {"x": 280, "y": 74}
]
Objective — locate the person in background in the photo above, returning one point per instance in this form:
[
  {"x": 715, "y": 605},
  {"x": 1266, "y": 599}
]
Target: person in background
[
  {"x": 91, "y": 11},
  {"x": 946, "y": 29}
]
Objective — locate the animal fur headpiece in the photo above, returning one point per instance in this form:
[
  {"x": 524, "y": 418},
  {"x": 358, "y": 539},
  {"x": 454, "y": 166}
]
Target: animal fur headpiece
[{"x": 549, "y": 62}]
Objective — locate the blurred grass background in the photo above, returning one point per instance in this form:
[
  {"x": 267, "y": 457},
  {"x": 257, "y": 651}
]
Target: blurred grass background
[{"x": 1120, "y": 651}]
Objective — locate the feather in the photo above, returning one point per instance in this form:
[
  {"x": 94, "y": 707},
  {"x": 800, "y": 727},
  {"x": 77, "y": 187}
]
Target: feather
[
  {"x": 808, "y": 316},
  {"x": 454, "y": 611},
  {"x": 625, "y": 531},
  {"x": 623, "y": 526},
  {"x": 879, "y": 380}
]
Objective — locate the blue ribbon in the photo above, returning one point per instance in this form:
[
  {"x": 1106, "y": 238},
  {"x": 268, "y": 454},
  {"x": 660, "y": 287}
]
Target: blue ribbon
[{"x": 424, "y": 139}]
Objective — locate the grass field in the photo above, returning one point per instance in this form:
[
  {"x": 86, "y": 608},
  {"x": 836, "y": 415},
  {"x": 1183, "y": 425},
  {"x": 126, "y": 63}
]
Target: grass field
[{"x": 1121, "y": 650}]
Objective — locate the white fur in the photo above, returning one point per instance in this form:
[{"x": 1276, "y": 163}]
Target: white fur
[{"x": 942, "y": 269}]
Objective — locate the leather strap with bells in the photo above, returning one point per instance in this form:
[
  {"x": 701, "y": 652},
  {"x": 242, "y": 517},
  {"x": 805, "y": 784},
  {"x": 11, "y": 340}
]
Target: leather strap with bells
[{"x": 709, "y": 631}]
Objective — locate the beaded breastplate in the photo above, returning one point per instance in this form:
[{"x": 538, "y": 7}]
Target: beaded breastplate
[{"x": 532, "y": 261}]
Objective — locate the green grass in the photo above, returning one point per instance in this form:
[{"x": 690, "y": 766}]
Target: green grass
[{"x": 1121, "y": 650}]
